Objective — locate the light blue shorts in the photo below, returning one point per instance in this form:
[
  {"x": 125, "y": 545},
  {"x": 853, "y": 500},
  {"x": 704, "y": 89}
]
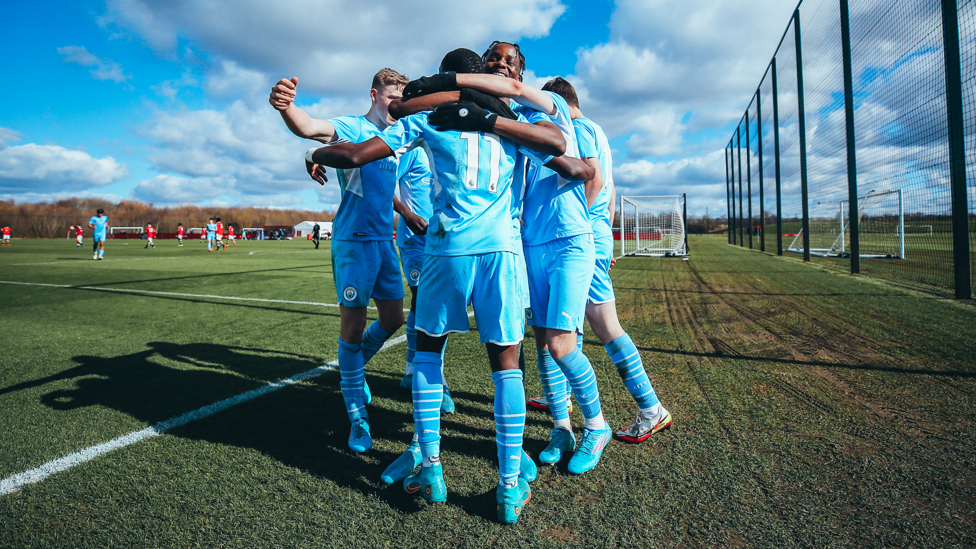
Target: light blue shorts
[
  {"x": 99, "y": 237},
  {"x": 601, "y": 288},
  {"x": 364, "y": 269},
  {"x": 487, "y": 281},
  {"x": 560, "y": 272},
  {"x": 523, "y": 276},
  {"x": 412, "y": 262},
  {"x": 211, "y": 235}
]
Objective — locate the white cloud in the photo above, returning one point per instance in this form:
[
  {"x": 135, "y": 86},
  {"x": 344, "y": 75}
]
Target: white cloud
[
  {"x": 325, "y": 42},
  {"x": 100, "y": 69},
  {"x": 51, "y": 168}
]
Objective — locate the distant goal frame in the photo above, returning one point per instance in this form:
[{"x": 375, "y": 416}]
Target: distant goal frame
[{"x": 656, "y": 231}]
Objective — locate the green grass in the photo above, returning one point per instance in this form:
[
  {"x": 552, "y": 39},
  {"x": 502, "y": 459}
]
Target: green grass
[{"x": 812, "y": 408}]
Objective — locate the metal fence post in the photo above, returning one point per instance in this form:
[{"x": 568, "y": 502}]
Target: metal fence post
[
  {"x": 853, "y": 222},
  {"x": 803, "y": 136},
  {"x": 749, "y": 177},
  {"x": 779, "y": 188},
  {"x": 957, "y": 151},
  {"x": 728, "y": 211},
  {"x": 762, "y": 200},
  {"x": 738, "y": 142}
]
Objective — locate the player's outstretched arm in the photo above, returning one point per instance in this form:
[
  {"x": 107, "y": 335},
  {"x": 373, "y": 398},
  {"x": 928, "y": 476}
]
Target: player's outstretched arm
[
  {"x": 282, "y": 98},
  {"x": 572, "y": 169},
  {"x": 524, "y": 94},
  {"x": 344, "y": 156},
  {"x": 402, "y": 107},
  {"x": 416, "y": 223}
]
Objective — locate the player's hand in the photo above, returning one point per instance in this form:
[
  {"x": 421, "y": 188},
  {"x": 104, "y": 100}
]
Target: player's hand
[
  {"x": 316, "y": 172},
  {"x": 445, "y": 81},
  {"x": 417, "y": 224},
  {"x": 488, "y": 102},
  {"x": 463, "y": 116},
  {"x": 613, "y": 261},
  {"x": 283, "y": 93}
]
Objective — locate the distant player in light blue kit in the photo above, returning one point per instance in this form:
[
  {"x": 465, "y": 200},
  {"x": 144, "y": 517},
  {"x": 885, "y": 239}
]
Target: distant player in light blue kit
[
  {"x": 364, "y": 258},
  {"x": 601, "y": 308},
  {"x": 211, "y": 234},
  {"x": 469, "y": 259},
  {"x": 99, "y": 224}
]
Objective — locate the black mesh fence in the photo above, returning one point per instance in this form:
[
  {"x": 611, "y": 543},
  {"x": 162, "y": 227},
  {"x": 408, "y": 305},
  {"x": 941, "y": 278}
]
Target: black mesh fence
[{"x": 902, "y": 205}]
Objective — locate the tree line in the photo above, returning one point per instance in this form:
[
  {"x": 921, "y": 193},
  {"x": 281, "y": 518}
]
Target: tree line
[{"x": 52, "y": 219}]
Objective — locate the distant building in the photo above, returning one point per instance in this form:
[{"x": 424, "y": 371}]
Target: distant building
[{"x": 303, "y": 229}]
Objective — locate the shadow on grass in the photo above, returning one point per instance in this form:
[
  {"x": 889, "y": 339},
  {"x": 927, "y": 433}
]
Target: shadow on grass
[
  {"x": 737, "y": 356},
  {"x": 303, "y": 426}
]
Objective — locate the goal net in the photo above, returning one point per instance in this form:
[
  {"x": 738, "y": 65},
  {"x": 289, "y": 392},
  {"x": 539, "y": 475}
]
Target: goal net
[
  {"x": 653, "y": 226},
  {"x": 881, "y": 227}
]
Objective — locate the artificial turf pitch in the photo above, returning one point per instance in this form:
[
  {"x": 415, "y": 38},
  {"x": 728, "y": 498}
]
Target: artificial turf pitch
[{"x": 811, "y": 408}]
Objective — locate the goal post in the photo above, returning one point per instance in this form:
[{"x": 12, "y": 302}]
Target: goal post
[
  {"x": 136, "y": 230},
  {"x": 653, "y": 226},
  {"x": 881, "y": 224}
]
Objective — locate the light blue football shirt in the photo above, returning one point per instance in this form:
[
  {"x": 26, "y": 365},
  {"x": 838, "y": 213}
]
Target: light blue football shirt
[
  {"x": 554, "y": 207},
  {"x": 472, "y": 179},
  {"x": 593, "y": 143},
  {"x": 366, "y": 205},
  {"x": 414, "y": 178},
  {"x": 211, "y": 228},
  {"x": 100, "y": 224}
]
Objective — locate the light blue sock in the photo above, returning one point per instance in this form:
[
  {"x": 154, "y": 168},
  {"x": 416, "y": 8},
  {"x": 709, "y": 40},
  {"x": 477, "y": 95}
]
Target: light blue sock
[
  {"x": 351, "y": 372},
  {"x": 411, "y": 340},
  {"x": 554, "y": 385},
  {"x": 581, "y": 378},
  {"x": 373, "y": 340},
  {"x": 509, "y": 422},
  {"x": 428, "y": 392},
  {"x": 625, "y": 356}
]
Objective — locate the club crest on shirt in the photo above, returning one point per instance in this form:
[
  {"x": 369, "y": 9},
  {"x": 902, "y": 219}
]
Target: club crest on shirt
[
  {"x": 414, "y": 275},
  {"x": 349, "y": 293}
]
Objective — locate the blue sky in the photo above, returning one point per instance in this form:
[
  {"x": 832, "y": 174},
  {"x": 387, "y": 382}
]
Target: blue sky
[{"x": 167, "y": 102}]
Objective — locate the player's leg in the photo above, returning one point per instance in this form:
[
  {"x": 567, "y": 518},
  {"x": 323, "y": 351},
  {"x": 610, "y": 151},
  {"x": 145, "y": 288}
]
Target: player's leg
[
  {"x": 570, "y": 270},
  {"x": 501, "y": 326},
  {"x": 354, "y": 269},
  {"x": 443, "y": 294},
  {"x": 387, "y": 293},
  {"x": 601, "y": 312}
]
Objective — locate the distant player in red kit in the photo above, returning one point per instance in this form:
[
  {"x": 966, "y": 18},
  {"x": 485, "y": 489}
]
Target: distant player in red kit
[
  {"x": 179, "y": 233},
  {"x": 79, "y": 236},
  {"x": 150, "y": 234},
  {"x": 6, "y": 235},
  {"x": 230, "y": 236},
  {"x": 220, "y": 234}
]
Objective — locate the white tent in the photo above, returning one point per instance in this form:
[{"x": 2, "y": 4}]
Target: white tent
[{"x": 304, "y": 228}]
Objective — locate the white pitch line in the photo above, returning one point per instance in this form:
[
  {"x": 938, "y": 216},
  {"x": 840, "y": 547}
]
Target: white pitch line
[
  {"x": 152, "y": 292},
  {"x": 15, "y": 482}
]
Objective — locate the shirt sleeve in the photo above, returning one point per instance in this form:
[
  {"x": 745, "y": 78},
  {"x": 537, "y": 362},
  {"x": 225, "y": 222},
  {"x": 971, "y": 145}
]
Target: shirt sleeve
[
  {"x": 406, "y": 134},
  {"x": 532, "y": 154},
  {"x": 585, "y": 140},
  {"x": 347, "y": 128}
]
